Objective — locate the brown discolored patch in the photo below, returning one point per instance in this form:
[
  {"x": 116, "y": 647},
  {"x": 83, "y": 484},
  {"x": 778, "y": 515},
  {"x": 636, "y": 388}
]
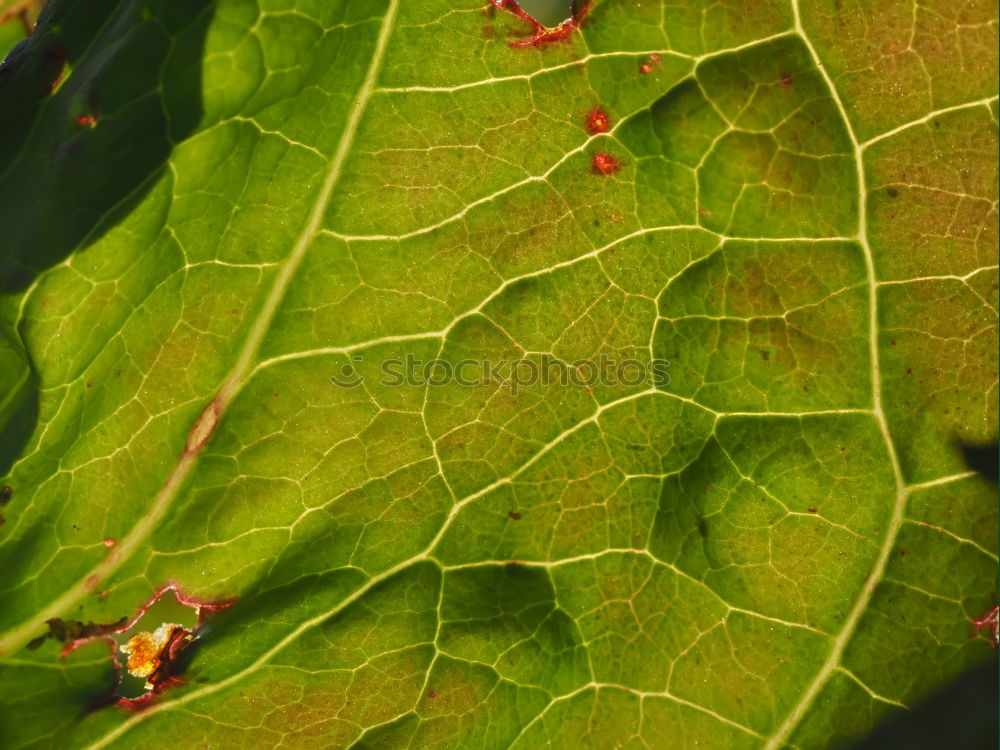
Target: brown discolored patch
[
  {"x": 6, "y": 493},
  {"x": 204, "y": 427},
  {"x": 71, "y": 631},
  {"x": 514, "y": 516}
]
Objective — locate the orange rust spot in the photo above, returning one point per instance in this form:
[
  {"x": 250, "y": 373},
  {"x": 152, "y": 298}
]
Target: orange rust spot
[
  {"x": 109, "y": 543},
  {"x": 204, "y": 427},
  {"x": 598, "y": 121},
  {"x": 432, "y": 694},
  {"x": 91, "y": 583},
  {"x": 605, "y": 164},
  {"x": 150, "y": 653},
  {"x": 87, "y": 121}
]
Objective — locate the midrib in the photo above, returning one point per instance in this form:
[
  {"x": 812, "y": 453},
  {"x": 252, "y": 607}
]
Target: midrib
[
  {"x": 780, "y": 736},
  {"x": 15, "y": 638}
]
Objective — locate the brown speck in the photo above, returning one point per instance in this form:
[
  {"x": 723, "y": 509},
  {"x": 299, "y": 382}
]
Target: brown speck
[
  {"x": 514, "y": 516},
  {"x": 6, "y": 493},
  {"x": 432, "y": 694},
  {"x": 787, "y": 80},
  {"x": 813, "y": 510}
]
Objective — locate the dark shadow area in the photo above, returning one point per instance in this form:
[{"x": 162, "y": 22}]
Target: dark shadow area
[
  {"x": 91, "y": 107},
  {"x": 18, "y": 401},
  {"x": 983, "y": 459},
  {"x": 962, "y": 716}
]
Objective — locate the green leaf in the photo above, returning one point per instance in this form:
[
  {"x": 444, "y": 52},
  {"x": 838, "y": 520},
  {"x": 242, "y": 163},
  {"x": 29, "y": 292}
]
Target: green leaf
[{"x": 212, "y": 208}]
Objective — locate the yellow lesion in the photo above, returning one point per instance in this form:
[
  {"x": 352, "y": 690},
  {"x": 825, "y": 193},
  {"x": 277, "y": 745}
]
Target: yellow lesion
[{"x": 147, "y": 651}]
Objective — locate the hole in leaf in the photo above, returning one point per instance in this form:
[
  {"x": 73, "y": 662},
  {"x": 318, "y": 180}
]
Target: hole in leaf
[
  {"x": 143, "y": 650},
  {"x": 549, "y": 13}
]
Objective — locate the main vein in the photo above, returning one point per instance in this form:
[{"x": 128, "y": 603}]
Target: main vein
[
  {"x": 781, "y": 734},
  {"x": 203, "y": 428}
]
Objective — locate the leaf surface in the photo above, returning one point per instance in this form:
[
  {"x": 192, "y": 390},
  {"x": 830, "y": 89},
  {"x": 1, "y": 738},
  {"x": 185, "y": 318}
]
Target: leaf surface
[{"x": 212, "y": 208}]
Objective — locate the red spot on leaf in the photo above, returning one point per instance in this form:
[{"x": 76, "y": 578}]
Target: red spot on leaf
[
  {"x": 109, "y": 543},
  {"x": 54, "y": 63},
  {"x": 87, "y": 121},
  {"x": 991, "y": 623},
  {"x": 650, "y": 64},
  {"x": 432, "y": 694},
  {"x": 605, "y": 164},
  {"x": 598, "y": 121}
]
